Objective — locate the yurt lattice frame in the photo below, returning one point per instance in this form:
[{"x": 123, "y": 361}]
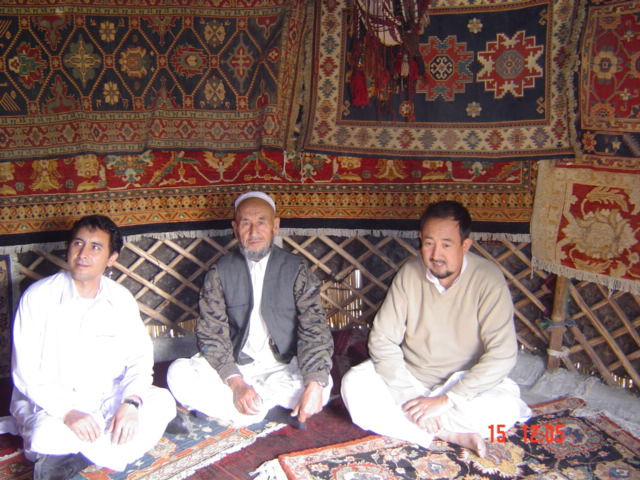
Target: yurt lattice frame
[{"x": 579, "y": 325}]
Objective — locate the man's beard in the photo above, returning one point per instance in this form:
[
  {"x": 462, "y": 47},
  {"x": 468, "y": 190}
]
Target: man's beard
[
  {"x": 441, "y": 275},
  {"x": 255, "y": 256}
]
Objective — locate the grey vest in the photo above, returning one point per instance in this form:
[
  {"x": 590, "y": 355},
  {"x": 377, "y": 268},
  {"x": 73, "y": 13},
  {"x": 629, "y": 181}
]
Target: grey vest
[{"x": 278, "y": 306}]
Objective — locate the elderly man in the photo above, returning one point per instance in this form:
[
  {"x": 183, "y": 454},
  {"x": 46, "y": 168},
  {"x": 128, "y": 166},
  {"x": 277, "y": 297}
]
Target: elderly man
[
  {"x": 83, "y": 364},
  {"x": 264, "y": 343},
  {"x": 441, "y": 345}
]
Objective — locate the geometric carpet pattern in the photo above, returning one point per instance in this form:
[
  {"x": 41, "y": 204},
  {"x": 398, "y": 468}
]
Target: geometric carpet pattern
[
  {"x": 554, "y": 444},
  {"x": 124, "y": 77},
  {"x": 492, "y": 83}
]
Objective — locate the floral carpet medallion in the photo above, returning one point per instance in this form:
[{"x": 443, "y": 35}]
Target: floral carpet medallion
[
  {"x": 554, "y": 445},
  {"x": 586, "y": 222}
]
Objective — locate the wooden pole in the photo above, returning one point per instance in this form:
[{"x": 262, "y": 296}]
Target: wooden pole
[{"x": 558, "y": 317}]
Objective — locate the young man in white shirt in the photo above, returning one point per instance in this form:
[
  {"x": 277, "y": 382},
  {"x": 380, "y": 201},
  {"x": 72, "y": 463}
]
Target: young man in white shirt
[{"x": 83, "y": 364}]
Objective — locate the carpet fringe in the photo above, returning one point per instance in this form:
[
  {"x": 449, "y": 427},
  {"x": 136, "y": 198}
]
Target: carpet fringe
[
  {"x": 335, "y": 232},
  {"x": 348, "y": 232},
  {"x": 611, "y": 283},
  {"x": 222, "y": 232},
  {"x": 180, "y": 234},
  {"x": 269, "y": 470},
  {"x": 27, "y": 247},
  {"x": 509, "y": 237}
]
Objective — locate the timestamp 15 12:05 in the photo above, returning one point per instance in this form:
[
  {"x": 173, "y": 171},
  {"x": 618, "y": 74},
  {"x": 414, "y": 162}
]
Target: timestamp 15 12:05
[{"x": 545, "y": 433}]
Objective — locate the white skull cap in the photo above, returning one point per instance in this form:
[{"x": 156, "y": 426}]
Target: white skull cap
[{"x": 260, "y": 195}]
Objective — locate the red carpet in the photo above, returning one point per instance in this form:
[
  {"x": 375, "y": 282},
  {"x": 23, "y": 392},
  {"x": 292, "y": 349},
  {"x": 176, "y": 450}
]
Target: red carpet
[{"x": 332, "y": 425}]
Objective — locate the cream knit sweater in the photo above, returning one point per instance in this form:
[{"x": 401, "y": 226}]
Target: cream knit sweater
[{"x": 469, "y": 327}]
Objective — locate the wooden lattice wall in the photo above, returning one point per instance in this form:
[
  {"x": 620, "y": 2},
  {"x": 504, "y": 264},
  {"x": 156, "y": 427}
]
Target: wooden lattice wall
[{"x": 589, "y": 329}]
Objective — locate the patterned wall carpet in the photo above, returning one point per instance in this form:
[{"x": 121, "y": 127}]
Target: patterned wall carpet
[
  {"x": 586, "y": 222},
  {"x": 112, "y": 76},
  {"x": 607, "y": 114},
  {"x": 162, "y": 191},
  {"x": 494, "y": 79}
]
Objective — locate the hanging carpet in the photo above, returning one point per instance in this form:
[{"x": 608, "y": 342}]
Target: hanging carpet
[
  {"x": 493, "y": 83},
  {"x": 123, "y": 77},
  {"x": 164, "y": 191},
  {"x": 607, "y": 112},
  {"x": 586, "y": 221}
]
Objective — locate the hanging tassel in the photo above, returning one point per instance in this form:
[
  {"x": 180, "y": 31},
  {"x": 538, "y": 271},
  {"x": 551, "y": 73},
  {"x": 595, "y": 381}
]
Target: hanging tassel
[
  {"x": 413, "y": 69},
  {"x": 412, "y": 80},
  {"x": 397, "y": 63},
  {"x": 359, "y": 92},
  {"x": 405, "y": 69},
  {"x": 386, "y": 57}
]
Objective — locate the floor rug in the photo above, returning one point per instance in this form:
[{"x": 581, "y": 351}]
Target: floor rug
[
  {"x": 555, "y": 444},
  {"x": 174, "y": 457},
  {"x": 332, "y": 425},
  {"x": 585, "y": 221}
]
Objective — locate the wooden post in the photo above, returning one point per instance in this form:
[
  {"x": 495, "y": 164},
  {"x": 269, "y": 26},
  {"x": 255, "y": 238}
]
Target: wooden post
[{"x": 558, "y": 317}]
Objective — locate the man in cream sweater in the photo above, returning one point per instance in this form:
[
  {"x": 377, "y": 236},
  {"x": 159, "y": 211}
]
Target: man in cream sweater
[{"x": 441, "y": 345}]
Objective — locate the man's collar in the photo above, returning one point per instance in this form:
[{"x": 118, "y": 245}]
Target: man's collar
[{"x": 70, "y": 291}]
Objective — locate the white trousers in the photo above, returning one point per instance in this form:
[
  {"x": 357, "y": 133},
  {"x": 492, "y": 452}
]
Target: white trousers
[
  {"x": 372, "y": 407},
  {"x": 44, "y": 434},
  {"x": 197, "y": 386}
]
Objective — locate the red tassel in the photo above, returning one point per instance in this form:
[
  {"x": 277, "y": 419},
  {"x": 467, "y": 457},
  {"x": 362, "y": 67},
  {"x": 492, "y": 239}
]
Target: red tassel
[
  {"x": 397, "y": 64},
  {"x": 413, "y": 70},
  {"x": 359, "y": 92}
]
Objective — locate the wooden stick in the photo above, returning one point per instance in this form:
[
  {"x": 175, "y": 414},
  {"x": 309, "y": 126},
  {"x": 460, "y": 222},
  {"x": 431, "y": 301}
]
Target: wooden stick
[{"x": 558, "y": 316}]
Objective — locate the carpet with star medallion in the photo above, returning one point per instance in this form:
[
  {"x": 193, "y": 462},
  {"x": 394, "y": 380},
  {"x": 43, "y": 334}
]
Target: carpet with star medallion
[{"x": 491, "y": 81}]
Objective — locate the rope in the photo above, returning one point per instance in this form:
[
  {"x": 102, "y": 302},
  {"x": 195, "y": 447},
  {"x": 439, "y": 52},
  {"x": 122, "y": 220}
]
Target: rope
[{"x": 564, "y": 353}]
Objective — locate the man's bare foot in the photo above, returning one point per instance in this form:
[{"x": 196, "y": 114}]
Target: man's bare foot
[{"x": 472, "y": 441}]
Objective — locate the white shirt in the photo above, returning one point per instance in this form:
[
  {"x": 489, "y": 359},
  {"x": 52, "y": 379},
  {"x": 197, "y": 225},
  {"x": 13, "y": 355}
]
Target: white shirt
[
  {"x": 257, "y": 344},
  {"x": 75, "y": 353}
]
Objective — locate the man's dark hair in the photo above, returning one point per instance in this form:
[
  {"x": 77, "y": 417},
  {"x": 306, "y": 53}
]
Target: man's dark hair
[
  {"x": 449, "y": 209},
  {"x": 103, "y": 223}
]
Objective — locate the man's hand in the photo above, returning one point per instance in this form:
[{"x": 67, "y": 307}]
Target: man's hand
[
  {"x": 310, "y": 402},
  {"x": 82, "y": 424},
  {"x": 124, "y": 424},
  {"x": 245, "y": 398},
  {"x": 426, "y": 411}
]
